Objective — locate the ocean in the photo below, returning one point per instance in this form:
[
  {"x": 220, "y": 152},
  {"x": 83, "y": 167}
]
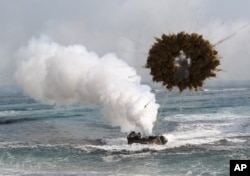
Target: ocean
[{"x": 205, "y": 130}]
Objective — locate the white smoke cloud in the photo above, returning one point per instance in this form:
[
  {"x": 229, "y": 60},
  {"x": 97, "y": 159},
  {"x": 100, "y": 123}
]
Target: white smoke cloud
[{"x": 59, "y": 74}]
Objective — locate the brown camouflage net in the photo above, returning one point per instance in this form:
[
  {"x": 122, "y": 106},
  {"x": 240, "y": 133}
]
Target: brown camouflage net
[{"x": 169, "y": 67}]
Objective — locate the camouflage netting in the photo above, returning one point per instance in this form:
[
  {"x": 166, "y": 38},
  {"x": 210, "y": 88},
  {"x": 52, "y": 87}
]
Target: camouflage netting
[{"x": 182, "y": 60}]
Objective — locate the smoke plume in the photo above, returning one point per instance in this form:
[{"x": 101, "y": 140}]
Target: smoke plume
[{"x": 58, "y": 74}]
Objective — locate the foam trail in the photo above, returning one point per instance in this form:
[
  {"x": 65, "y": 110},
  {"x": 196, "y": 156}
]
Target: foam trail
[{"x": 58, "y": 74}]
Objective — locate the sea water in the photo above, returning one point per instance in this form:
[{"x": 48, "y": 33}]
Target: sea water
[{"x": 205, "y": 129}]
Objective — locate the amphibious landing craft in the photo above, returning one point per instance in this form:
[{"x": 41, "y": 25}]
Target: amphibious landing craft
[{"x": 134, "y": 137}]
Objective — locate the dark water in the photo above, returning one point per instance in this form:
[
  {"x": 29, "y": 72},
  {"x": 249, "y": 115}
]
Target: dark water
[{"x": 205, "y": 130}]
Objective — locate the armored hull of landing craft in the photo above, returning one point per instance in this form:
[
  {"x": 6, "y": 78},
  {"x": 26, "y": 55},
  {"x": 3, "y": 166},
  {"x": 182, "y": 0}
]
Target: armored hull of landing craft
[{"x": 134, "y": 137}]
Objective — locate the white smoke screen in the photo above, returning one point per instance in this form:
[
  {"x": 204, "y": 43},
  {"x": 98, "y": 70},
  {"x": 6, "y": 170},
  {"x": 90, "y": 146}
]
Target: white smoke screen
[{"x": 58, "y": 74}]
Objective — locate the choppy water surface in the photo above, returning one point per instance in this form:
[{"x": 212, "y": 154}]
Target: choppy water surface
[{"x": 205, "y": 131}]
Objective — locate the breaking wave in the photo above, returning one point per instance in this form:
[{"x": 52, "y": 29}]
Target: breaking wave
[
  {"x": 226, "y": 89},
  {"x": 8, "y": 121},
  {"x": 207, "y": 129}
]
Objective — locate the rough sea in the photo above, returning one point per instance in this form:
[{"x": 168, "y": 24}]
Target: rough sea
[{"x": 205, "y": 129}]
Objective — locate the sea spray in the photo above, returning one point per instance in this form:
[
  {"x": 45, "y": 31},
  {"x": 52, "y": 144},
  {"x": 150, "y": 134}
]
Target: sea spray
[{"x": 58, "y": 74}]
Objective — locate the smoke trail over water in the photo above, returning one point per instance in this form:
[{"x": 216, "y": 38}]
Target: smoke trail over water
[{"x": 58, "y": 74}]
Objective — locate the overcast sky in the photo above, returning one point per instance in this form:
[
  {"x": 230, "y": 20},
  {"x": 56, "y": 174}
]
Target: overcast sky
[{"x": 127, "y": 28}]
